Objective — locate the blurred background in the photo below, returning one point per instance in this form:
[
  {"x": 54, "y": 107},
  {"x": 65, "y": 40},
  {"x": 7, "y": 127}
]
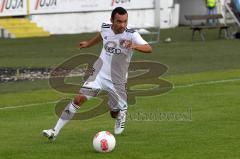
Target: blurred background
[{"x": 29, "y": 18}]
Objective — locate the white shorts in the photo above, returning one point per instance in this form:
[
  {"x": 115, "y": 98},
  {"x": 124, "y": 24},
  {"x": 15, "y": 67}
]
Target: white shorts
[{"x": 117, "y": 94}]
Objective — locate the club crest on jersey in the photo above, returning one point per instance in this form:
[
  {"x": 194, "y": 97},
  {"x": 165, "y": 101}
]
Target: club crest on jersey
[
  {"x": 111, "y": 47},
  {"x": 125, "y": 43}
]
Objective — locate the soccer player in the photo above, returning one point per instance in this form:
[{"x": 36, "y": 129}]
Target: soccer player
[{"x": 110, "y": 71}]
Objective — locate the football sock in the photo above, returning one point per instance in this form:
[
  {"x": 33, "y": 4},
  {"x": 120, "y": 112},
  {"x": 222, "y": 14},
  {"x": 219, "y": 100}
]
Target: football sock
[{"x": 66, "y": 116}]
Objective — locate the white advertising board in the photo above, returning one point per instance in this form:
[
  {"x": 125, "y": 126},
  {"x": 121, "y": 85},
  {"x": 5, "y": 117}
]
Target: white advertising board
[
  {"x": 63, "y": 6},
  {"x": 13, "y": 7}
]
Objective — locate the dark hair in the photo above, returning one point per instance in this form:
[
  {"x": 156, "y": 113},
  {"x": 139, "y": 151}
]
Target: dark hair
[{"x": 118, "y": 10}]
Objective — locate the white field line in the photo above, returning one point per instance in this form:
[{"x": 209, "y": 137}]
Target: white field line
[
  {"x": 176, "y": 87},
  {"x": 207, "y": 83},
  {"x": 28, "y": 105}
]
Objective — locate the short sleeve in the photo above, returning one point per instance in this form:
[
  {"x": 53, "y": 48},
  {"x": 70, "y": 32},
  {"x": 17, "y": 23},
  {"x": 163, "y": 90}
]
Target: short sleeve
[
  {"x": 105, "y": 27},
  {"x": 137, "y": 39}
]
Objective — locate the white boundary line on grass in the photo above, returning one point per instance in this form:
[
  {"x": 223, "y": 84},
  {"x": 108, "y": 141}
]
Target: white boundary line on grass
[
  {"x": 207, "y": 83},
  {"x": 28, "y": 105},
  {"x": 179, "y": 86}
]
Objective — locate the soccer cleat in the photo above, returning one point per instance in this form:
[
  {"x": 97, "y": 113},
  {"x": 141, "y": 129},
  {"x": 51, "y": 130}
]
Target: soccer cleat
[
  {"x": 50, "y": 134},
  {"x": 120, "y": 122}
]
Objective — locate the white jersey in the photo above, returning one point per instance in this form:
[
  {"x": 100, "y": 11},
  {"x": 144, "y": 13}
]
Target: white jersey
[{"x": 115, "y": 57}]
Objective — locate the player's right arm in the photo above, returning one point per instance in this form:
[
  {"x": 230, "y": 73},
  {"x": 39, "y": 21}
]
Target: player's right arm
[{"x": 91, "y": 42}]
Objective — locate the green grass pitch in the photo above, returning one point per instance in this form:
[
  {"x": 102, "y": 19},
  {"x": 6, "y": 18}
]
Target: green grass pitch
[{"x": 206, "y": 79}]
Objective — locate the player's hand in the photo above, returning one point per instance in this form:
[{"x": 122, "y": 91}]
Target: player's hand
[
  {"x": 128, "y": 44},
  {"x": 83, "y": 44},
  {"x": 131, "y": 46}
]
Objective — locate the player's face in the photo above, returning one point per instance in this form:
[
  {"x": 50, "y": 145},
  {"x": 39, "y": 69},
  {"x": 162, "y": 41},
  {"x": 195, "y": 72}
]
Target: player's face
[{"x": 119, "y": 23}]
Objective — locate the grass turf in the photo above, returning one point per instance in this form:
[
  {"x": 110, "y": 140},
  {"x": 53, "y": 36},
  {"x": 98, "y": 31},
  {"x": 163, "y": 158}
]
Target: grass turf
[{"x": 206, "y": 81}]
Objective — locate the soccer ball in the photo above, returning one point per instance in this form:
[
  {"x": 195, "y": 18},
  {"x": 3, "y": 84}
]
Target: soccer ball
[{"x": 104, "y": 141}]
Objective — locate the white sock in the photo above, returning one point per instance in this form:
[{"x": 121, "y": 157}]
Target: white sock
[{"x": 66, "y": 116}]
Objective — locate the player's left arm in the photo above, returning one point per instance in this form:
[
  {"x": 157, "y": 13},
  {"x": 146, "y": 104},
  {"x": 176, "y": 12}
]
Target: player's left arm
[
  {"x": 139, "y": 44},
  {"x": 145, "y": 48}
]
